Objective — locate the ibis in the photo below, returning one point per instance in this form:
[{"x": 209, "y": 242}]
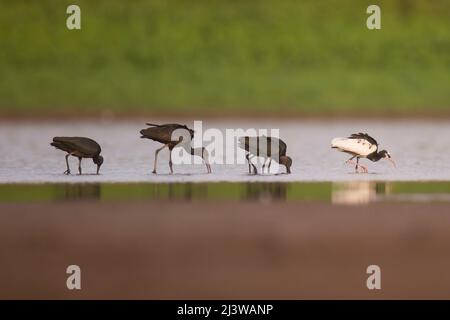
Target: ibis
[
  {"x": 269, "y": 148},
  {"x": 79, "y": 147},
  {"x": 165, "y": 134},
  {"x": 361, "y": 145}
]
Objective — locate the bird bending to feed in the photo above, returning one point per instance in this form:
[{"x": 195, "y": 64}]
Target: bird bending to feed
[
  {"x": 79, "y": 147},
  {"x": 361, "y": 145},
  {"x": 163, "y": 134},
  {"x": 261, "y": 146}
]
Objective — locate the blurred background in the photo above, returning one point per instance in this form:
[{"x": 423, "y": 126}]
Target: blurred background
[
  {"x": 214, "y": 58},
  {"x": 227, "y": 235}
]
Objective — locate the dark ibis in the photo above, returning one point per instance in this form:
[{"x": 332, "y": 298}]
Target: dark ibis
[
  {"x": 361, "y": 145},
  {"x": 79, "y": 147},
  {"x": 163, "y": 133},
  {"x": 261, "y": 146}
]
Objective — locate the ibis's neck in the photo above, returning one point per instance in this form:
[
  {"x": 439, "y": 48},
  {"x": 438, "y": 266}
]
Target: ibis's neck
[
  {"x": 193, "y": 151},
  {"x": 197, "y": 151},
  {"x": 375, "y": 156}
]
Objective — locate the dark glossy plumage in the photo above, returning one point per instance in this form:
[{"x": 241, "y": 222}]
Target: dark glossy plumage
[
  {"x": 365, "y": 136},
  {"x": 163, "y": 133},
  {"x": 261, "y": 146},
  {"x": 79, "y": 147},
  {"x": 171, "y": 135}
]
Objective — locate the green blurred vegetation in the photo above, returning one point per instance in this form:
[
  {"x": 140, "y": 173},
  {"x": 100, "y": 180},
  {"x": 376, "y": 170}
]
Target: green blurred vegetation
[
  {"x": 250, "y": 191},
  {"x": 16, "y": 193},
  {"x": 224, "y": 57},
  {"x": 420, "y": 187}
]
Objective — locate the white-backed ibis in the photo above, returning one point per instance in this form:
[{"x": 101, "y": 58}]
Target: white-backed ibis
[
  {"x": 361, "y": 145},
  {"x": 79, "y": 147},
  {"x": 163, "y": 133},
  {"x": 261, "y": 146}
]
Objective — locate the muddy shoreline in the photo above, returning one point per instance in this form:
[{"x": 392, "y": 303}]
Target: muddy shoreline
[{"x": 224, "y": 250}]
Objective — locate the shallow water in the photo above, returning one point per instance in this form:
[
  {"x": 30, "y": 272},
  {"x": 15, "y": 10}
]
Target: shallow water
[{"x": 420, "y": 148}]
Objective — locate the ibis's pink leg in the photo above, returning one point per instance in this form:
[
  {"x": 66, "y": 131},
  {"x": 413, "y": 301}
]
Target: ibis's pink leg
[
  {"x": 365, "y": 170},
  {"x": 156, "y": 157},
  {"x": 206, "y": 159},
  {"x": 67, "y": 163},
  {"x": 357, "y": 166},
  {"x": 350, "y": 162},
  {"x": 67, "y": 172}
]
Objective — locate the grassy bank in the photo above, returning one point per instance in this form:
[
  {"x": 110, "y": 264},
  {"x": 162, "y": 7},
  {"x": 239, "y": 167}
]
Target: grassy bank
[{"x": 225, "y": 57}]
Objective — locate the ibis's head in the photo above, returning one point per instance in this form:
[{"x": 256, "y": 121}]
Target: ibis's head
[
  {"x": 287, "y": 162},
  {"x": 386, "y": 155},
  {"x": 98, "y": 160}
]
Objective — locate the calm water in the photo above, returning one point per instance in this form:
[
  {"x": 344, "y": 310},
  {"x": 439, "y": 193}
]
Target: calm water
[
  {"x": 420, "y": 148},
  {"x": 356, "y": 192}
]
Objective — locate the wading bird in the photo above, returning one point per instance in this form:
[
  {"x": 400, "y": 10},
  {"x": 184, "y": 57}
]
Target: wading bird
[
  {"x": 79, "y": 147},
  {"x": 164, "y": 134},
  {"x": 361, "y": 145},
  {"x": 261, "y": 146}
]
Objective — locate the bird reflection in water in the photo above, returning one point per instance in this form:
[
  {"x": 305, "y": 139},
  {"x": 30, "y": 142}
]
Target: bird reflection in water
[
  {"x": 89, "y": 191},
  {"x": 266, "y": 191},
  {"x": 358, "y": 192}
]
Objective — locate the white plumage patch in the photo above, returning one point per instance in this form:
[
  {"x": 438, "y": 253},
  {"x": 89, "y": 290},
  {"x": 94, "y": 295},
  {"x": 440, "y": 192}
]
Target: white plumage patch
[{"x": 360, "y": 147}]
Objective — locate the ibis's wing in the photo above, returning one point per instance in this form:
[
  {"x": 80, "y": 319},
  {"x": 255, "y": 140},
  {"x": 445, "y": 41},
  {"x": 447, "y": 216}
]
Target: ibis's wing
[
  {"x": 83, "y": 145},
  {"x": 282, "y": 147},
  {"x": 169, "y": 125},
  {"x": 244, "y": 142},
  {"x": 159, "y": 133},
  {"x": 360, "y": 147},
  {"x": 250, "y": 144},
  {"x": 163, "y": 133},
  {"x": 262, "y": 145},
  {"x": 175, "y": 126},
  {"x": 364, "y": 136},
  {"x": 275, "y": 147}
]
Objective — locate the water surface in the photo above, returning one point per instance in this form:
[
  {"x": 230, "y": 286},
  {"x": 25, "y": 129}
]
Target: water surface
[{"x": 420, "y": 148}]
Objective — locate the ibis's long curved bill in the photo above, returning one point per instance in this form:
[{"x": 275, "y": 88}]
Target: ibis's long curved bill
[{"x": 393, "y": 162}]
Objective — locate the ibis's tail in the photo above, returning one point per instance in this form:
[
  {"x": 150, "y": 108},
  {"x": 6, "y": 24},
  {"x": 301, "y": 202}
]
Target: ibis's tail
[
  {"x": 337, "y": 142},
  {"x": 58, "y": 142}
]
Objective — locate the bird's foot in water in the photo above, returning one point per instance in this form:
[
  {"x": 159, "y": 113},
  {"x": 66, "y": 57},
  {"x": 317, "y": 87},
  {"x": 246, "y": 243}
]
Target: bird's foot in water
[
  {"x": 67, "y": 172},
  {"x": 362, "y": 169},
  {"x": 154, "y": 171}
]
